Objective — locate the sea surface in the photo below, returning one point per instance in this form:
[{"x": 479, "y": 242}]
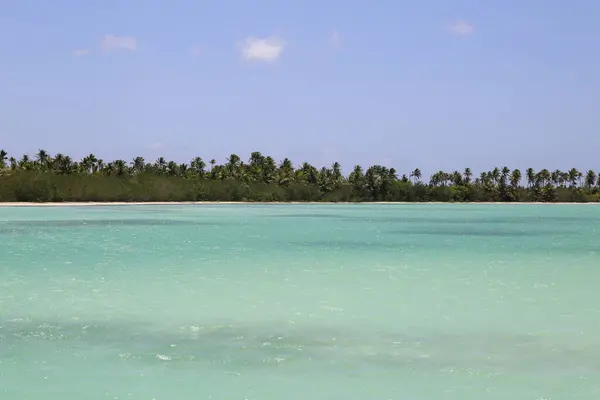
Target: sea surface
[{"x": 274, "y": 302}]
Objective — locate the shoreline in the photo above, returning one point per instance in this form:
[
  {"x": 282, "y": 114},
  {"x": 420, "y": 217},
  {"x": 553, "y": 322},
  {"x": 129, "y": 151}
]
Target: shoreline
[{"x": 199, "y": 203}]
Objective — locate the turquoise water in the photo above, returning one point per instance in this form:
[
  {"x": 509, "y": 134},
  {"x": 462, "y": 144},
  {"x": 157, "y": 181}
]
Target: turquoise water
[{"x": 300, "y": 302}]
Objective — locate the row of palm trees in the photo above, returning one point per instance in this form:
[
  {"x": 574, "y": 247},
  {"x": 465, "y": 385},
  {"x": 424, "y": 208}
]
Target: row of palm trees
[
  {"x": 264, "y": 169},
  {"x": 504, "y": 176}
]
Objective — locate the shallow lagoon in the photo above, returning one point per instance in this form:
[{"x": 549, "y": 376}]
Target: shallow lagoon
[{"x": 300, "y": 302}]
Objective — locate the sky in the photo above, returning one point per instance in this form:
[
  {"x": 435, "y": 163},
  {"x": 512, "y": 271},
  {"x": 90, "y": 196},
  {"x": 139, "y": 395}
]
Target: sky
[{"x": 433, "y": 84}]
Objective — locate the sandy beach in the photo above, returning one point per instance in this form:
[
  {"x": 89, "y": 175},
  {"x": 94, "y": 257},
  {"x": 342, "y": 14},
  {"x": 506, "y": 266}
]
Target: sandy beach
[{"x": 177, "y": 203}]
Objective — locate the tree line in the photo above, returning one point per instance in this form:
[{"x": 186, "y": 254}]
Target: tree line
[{"x": 58, "y": 177}]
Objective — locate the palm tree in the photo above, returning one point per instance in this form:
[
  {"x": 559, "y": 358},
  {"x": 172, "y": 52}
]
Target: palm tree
[
  {"x": 269, "y": 170},
  {"x": 482, "y": 180},
  {"x": 25, "y": 163},
  {"x": 574, "y": 176},
  {"x": 439, "y": 178},
  {"x": 556, "y": 177},
  {"x": 120, "y": 167},
  {"x": 377, "y": 180},
  {"x": 89, "y": 163},
  {"x": 416, "y": 174},
  {"x": 138, "y": 165},
  {"x": 495, "y": 175},
  {"x": 456, "y": 178},
  {"x": 184, "y": 170},
  {"x": 197, "y": 165},
  {"x": 515, "y": 178},
  {"x": 530, "y": 177},
  {"x": 3, "y": 158},
  {"x": 286, "y": 172},
  {"x": 172, "y": 168},
  {"x": 590, "y": 179},
  {"x": 357, "y": 177},
  {"x": 161, "y": 165},
  {"x": 43, "y": 159},
  {"x": 337, "y": 177},
  {"x": 63, "y": 164},
  {"x": 543, "y": 177},
  {"x": 468, "y": 174},
  {"x": 393, "y": 174},
  {"x": 233, "y": 165}
]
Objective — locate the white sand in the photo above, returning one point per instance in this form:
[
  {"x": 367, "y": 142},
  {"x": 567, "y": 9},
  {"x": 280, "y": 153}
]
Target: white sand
[{"x": 173, "y": 203}]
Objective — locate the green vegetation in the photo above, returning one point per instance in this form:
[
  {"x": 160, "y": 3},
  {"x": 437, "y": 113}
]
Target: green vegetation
[{"x": 59, "y": 178}]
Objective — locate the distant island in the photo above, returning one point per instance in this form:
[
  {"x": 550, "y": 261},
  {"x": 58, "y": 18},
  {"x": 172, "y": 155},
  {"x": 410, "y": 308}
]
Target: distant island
[{"x": 59, "y": 178}]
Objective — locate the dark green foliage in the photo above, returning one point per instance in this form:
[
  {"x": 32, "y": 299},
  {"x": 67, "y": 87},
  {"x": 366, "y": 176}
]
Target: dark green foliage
[{"x": 59, "y": 178}]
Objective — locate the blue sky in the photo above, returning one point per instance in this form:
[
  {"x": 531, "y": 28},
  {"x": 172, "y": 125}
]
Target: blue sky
[{"x": 434, "y": 84}]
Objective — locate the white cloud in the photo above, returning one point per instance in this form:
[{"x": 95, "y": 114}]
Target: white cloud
[
  {"x": 112, "y": 42},
  {"x": 81, "y": 52},
  {"x": 263, "y": 49},
  {"x": 335, "y": 38},
  {"x": 462, "y": 28},
  {"x": 195, "y": 51}
]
